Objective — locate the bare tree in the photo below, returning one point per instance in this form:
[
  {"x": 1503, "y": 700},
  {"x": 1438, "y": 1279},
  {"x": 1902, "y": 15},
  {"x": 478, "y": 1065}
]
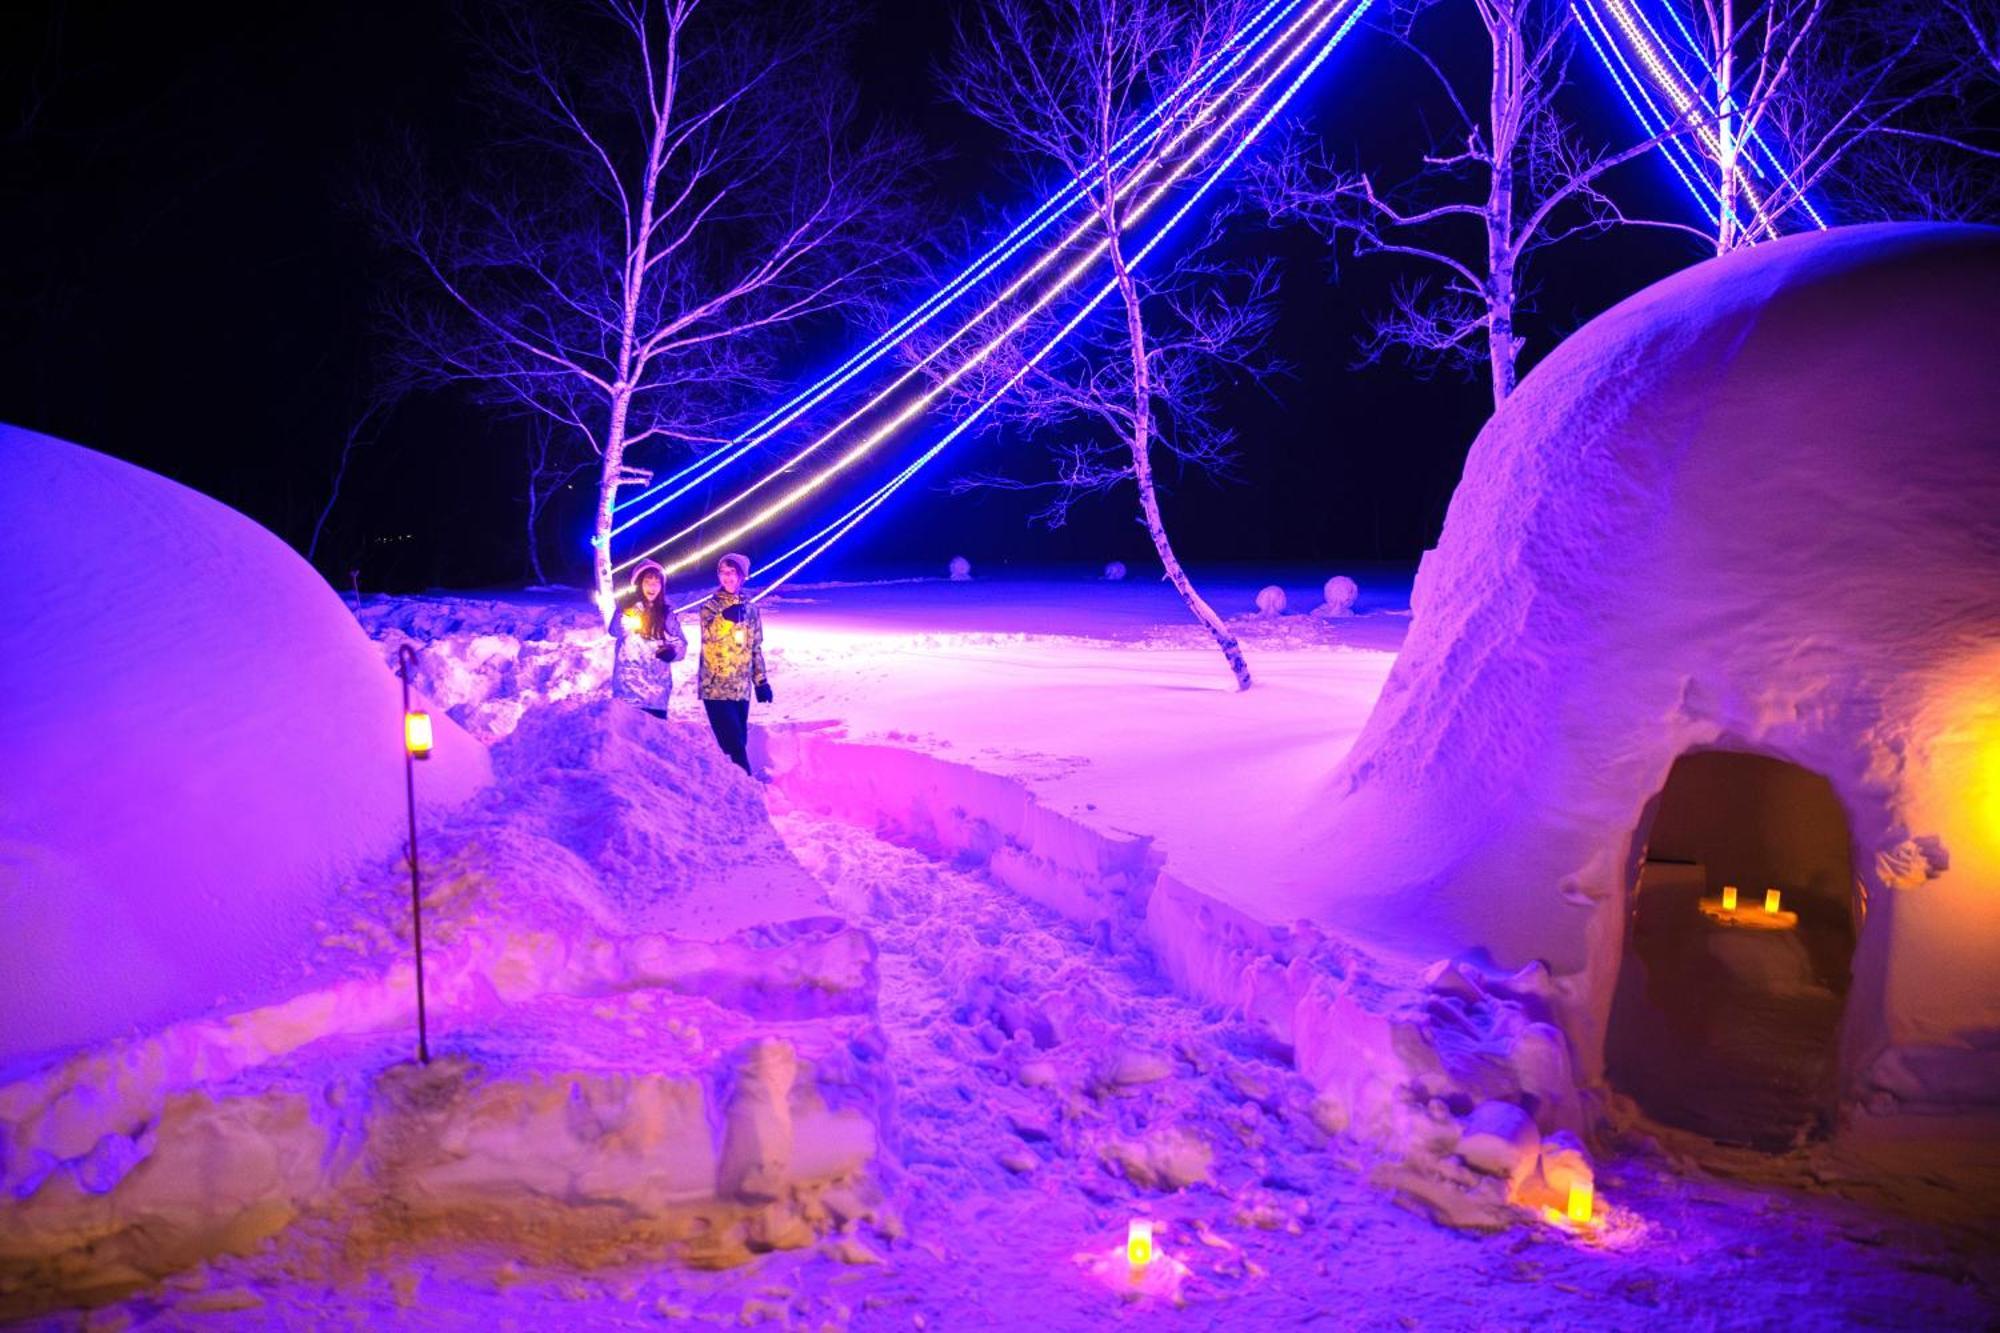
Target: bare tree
[
  {"x": 1801, "y": 95},
  {"x": 553, "y": 462},
  {"x": 1065, "y": 82},
  {"x": 673, "y": 187},
  {"x": 1510, "y": 176},
  {"x": 367, "y": 424}
]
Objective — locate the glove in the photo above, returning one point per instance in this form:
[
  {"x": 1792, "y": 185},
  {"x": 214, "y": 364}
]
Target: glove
[
  {"x": 733, "y": 614},
  {"x": 763, "y": 691}
]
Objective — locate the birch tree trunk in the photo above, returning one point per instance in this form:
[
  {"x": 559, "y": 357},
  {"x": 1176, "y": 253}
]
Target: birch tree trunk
[
  {"x": 610, "y": 478},
  {"x": 534, "y": 547},
  {"x": 1504, "y": 113},
  {"x": 1142, "y": 464},
  {"x": 1726, "y": 147}
]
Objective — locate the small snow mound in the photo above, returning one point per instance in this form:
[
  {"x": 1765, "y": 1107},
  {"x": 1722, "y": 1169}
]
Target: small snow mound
[
  {"x": 676, "y": 835},
  {"x": 1271, "y": 601},
  {"x": 200, "y": 742},
  {"x": 1340, "y": 592},
  {"x": 961, "y": 569}
]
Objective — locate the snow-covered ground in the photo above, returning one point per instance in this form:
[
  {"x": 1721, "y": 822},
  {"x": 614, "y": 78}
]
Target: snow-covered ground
[{"x": 901, "y": 1040}]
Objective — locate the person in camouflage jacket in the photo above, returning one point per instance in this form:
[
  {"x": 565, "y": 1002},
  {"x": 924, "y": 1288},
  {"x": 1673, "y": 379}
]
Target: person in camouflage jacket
[{"x": 732, "y": 659}]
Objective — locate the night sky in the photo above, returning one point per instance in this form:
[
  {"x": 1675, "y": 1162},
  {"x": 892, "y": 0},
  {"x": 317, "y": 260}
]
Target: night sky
[{"x": 186, "y": 287}]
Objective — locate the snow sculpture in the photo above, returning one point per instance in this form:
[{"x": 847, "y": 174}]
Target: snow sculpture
[
  {"x": 961, "y": 569},
  {"x": 199, "y": 741},
  {"x": 1340, "y": 592},
  {"x": 1271, "y": 601},
  {"x": 1753, "y": 508},
  {"x": 1115, "y": 571}
]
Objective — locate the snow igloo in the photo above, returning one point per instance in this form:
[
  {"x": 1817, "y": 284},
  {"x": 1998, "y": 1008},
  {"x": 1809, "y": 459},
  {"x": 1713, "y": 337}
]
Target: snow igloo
[
  {"x": 1717, "y": 605},
  {"x": 199, "y": 740}
]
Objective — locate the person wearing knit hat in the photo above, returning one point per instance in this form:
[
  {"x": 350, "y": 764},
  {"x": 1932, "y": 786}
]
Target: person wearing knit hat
[
  {"x": 732, "y": 659},
  {"x": 648, "y": 642}
]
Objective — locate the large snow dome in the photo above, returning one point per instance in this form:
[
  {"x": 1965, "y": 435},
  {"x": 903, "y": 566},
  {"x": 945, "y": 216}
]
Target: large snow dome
[
  {"x": 198, "y": 739},
  {"x": 1754, "y": 510}
]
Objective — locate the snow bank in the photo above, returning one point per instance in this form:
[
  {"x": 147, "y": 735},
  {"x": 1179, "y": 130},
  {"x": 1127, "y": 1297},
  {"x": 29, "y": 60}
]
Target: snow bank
[
  {"x": 644, "y": 1022},
  {"x": 1757, "y": 508},
  {"x": 485, "y": 661},
  {"x": 200, "y": 743},
  {"x": 1410, "y": 1062}
]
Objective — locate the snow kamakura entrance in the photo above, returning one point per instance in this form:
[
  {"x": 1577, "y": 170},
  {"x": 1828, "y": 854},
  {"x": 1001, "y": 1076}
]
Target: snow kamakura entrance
[
  {"x": 1755, "y": 507},
  {"x": 1726, "y": 1017}
]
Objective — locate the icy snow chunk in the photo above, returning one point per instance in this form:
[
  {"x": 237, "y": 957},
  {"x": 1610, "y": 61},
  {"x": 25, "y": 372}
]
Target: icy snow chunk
[
  {"x": 1170, "y": 1158},
  {"x": 1500, "y": 1139},
  {"x": 961, "y": 569},
  {"x": 1130, "y": 1068},
  {"x": 1115, "y": 571},
  {"x": 1565, "y": 1162},
  {"x": 757, "y": 1137},
  {"x": 1271, "y": 601}
]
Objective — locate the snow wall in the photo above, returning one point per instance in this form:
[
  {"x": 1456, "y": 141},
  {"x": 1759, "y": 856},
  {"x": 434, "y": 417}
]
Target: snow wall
[
  {"x": 198, "y": 741},
  {"x": 1755, "y": 507}
]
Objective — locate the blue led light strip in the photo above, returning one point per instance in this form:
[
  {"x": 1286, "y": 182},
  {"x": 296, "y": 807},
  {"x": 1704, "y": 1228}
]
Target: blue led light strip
[
  {"x": 1076, "y": 270},
  {"x": 834, "y": 531},
  {"x": 1215, "y": 67},
  {"x": 1658, "y": 54},
  {"x": 1633, "y": 99},
  {"x": 1697, "y": 184},
  {"x": 1756, "y": 137}
]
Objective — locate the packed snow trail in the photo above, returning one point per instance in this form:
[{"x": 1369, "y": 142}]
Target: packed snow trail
[{"x": 1049, "y": 1089}]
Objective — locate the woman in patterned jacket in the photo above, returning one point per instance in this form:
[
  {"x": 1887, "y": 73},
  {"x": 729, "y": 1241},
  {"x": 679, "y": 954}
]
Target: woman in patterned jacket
[
  {"x": 732, "y": 659},
  {"x": 649, "y": 641}
]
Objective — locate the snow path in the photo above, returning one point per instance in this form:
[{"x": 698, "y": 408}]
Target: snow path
[{"x": 1031, "y": 1058}]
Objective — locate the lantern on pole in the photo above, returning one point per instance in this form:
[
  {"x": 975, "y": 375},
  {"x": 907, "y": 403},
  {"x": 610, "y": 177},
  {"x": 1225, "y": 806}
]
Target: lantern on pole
[
  {"x": 417, "y": 734},
  {"x": 416, "y": 745}
]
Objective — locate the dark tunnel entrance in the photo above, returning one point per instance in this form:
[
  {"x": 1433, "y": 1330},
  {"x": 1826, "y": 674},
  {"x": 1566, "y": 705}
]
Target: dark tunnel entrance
[{"x": 1726, "y": 1022}]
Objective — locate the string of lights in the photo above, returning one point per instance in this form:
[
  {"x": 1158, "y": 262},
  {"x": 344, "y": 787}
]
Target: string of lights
[
  {"x": 1204, "y": 77},
  {"x": 1753, "y": 142},
  {"x": 824, "y": 539},
  {"x": 1629, "y": 35},
  {"x": 1652, "y": 121},
  {"x": 1068, "y": 279},
  {"x": 1620, "y": 39}
]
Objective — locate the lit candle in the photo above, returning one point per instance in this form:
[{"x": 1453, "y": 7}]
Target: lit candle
[
  {"x": 1771, "y": 901},
  {"x": 417, "y": 734},
  {"x": 1139, "y": 1243},
  {"x": 1581, "y": 1194},
  {"x": 1729, "y": 897}
]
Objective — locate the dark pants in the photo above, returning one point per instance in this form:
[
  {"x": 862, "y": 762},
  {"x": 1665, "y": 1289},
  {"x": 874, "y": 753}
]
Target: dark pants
[{"x": 730, "y": 720}]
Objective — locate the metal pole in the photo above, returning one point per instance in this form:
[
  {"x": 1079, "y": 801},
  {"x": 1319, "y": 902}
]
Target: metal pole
[{"x": 406, "y": 656}]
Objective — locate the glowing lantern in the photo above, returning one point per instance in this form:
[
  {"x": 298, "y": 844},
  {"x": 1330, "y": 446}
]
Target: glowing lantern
[
  {"x": 1139, "y": 1243},
  {"x": 1771, "y": 901},
  {"x": 1729, "y": 897},
  {"x": 1582, "y": 1194},
  {"x": 631, "y": 620},
  {"x": 417, "y": 734}
]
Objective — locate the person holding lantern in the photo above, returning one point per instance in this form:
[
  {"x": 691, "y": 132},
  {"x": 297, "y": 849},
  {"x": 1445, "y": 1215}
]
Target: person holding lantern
[
  {"x": 732, "y": 659},
  {"x": 649, "y": 642}
]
